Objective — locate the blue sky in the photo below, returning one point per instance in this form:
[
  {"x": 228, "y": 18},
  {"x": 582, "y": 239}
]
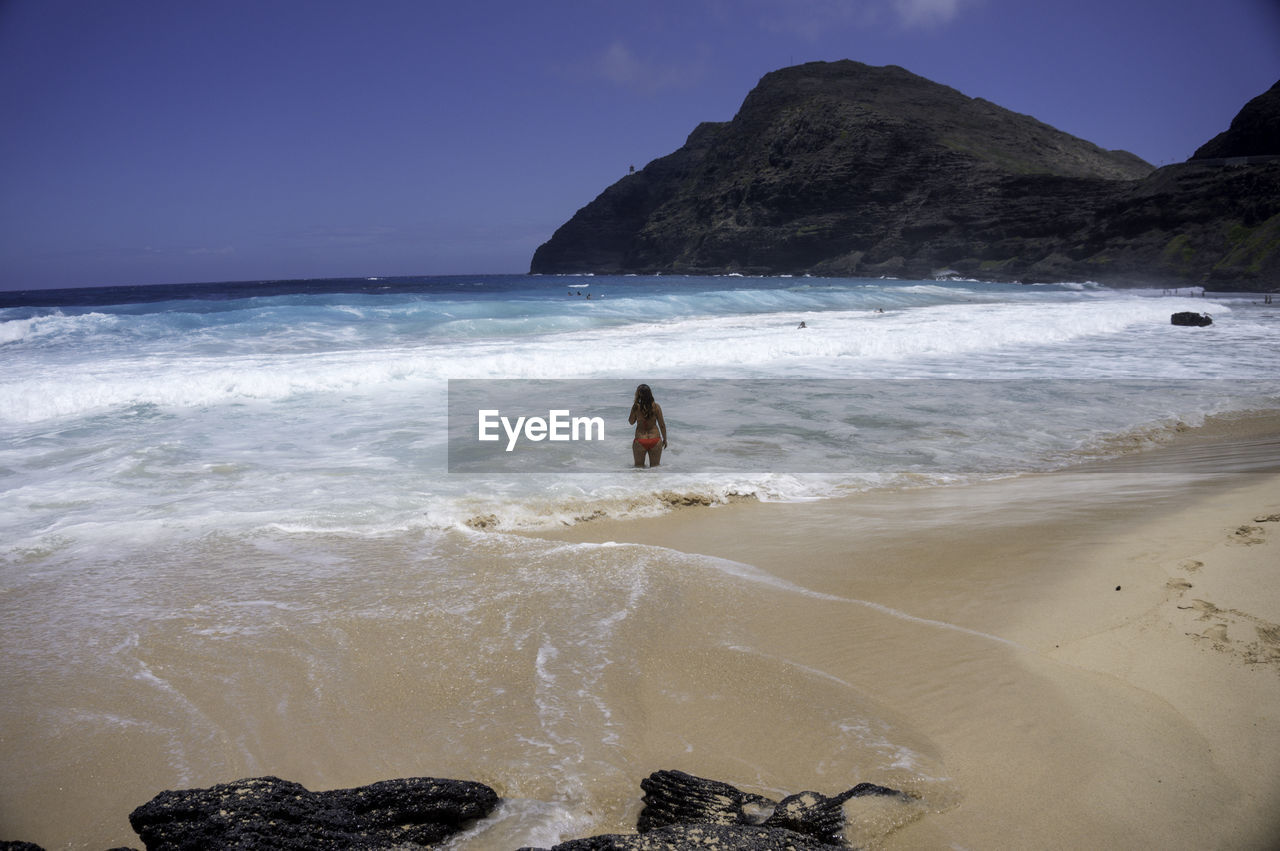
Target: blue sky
[{"x": 153, "y": 141}]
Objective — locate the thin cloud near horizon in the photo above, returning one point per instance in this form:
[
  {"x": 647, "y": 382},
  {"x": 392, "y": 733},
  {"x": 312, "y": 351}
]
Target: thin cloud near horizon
[{"x": 619, "y": 64}]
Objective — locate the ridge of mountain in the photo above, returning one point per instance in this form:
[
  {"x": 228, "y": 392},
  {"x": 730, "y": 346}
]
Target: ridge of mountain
[
  {"x": 842, "y": 168},
  {"x": 1254, "y": 132}
]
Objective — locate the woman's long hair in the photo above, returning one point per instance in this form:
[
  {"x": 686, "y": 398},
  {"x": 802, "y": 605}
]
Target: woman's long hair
[{"x": 644, "y": 399}]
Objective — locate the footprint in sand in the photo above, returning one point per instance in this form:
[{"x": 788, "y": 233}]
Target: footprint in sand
[
  {"x": 1205, "y": 608},
  {"x": 1216, "y": 633},
  {"x": 1265, "y": 650},
  {"x": 1247, "y": 535}
]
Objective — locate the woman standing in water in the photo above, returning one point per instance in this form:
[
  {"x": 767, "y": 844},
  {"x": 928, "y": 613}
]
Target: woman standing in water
[{"x": 651, "y": 428}]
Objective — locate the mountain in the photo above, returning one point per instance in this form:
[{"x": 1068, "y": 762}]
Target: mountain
[
  {"x": 1255, "y": 131},
  {"x": 847, "y": 169}
]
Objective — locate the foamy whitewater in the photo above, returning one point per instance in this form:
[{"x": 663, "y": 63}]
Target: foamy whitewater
[{"x": 230, "y": 542}]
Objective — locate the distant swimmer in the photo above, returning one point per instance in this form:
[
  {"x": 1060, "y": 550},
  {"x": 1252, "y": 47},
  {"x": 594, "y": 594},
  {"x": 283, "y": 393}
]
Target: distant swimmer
[
  {"x": 802, "y": 325},
  {"x": 651, "y": 428}
]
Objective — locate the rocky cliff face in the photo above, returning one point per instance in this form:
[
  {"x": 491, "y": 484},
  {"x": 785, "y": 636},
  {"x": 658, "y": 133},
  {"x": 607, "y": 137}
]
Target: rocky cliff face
[
  {"x": 1255, "y": 131},
  {"x": 846, "y": 169}
]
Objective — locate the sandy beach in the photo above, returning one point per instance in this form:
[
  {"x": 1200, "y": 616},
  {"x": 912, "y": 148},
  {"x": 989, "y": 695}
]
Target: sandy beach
[
  {"x": 1092, "y": 656},
  {"x": 1078, "y": 660},
  {"x": 1082, "y": 659}
]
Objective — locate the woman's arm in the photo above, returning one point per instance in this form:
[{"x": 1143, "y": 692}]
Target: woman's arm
[
  {"x": 635, "y": 408},
  {"x": 662, "y": 424}
]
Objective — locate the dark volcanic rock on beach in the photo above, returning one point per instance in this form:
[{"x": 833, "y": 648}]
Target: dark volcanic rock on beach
[
  {"x": 1189, "y": 318},
  {"x": 710, "y": 836},
  {"x": 845, "y": 169},
  {"x": 684, "y": 811},
  {"x": 681, "y": 812},
  {"x": 676, "y": 798},
  {"x": 271, "y": 814}
]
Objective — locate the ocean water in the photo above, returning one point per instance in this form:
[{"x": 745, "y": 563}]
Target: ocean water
[{"x": 241, "y": 533}]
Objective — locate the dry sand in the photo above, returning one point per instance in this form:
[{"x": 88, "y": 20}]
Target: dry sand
[{"x": 1094, "y": 656}]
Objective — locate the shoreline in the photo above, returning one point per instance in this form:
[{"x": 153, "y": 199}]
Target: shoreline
[
  {"x": 1094, "y": 653},
  {"x": 965, "y": 644}
]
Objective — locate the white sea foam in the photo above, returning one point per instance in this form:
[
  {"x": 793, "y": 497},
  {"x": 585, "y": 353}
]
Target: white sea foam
[
  {"x": 841, "y": 343},
  {"x": 326, "y": 413},
  {"x": 755, "y": 574},
  {"x": 17, "y": 329}
]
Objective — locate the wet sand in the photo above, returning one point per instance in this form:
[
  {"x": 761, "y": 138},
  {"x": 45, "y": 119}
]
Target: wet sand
[
  {"x": 1093, "y": 656},
  {"x": 1087, "y": 659}
]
